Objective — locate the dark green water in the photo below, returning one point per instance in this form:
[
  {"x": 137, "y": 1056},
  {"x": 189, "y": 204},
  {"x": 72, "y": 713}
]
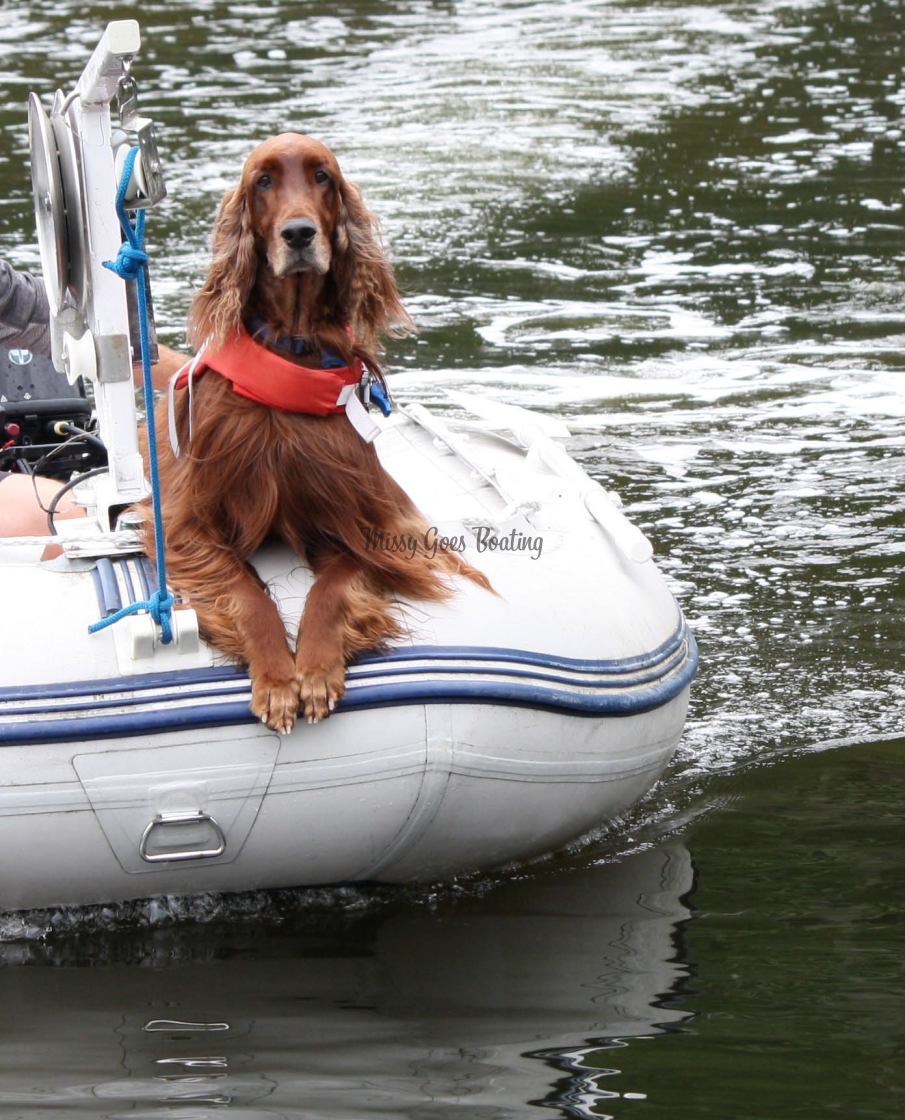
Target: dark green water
[
  {"x": 680, "y": 228},
  {"x": 743, "y": 959}
]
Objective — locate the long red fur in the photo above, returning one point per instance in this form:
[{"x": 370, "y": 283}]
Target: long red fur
[{"x": 250, "y": 472}]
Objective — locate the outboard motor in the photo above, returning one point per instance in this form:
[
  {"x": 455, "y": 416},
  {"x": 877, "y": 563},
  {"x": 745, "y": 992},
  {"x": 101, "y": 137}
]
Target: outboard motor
[{"x": 46, "y": 423}]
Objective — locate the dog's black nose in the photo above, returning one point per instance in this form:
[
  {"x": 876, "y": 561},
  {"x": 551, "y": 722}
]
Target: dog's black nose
[{"x": 298, "y": 233}]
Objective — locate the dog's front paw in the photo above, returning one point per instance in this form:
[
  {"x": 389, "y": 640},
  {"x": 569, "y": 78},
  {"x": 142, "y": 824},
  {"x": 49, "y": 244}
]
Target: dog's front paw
[
  {"x": 275, "y": 702},
  {"x": 321, "y": 690}
]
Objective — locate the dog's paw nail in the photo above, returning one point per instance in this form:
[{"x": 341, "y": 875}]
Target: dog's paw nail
[{"x": 331, "y": 704}]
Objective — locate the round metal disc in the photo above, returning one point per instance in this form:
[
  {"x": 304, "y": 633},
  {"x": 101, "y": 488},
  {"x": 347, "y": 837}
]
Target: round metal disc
[
  {"x": 50, "y": 211},
  {"x": 75, "y": 221}
]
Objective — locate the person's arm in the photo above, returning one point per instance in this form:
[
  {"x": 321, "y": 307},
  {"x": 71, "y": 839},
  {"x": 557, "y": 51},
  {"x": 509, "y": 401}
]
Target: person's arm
[{"x": 24, "y": 311}]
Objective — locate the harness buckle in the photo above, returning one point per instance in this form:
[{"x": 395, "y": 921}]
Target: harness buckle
[{"x": 364, "y": 388}]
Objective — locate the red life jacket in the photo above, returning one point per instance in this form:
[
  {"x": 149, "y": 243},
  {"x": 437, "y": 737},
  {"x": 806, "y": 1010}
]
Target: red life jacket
[{"x": 263, "y": 376}]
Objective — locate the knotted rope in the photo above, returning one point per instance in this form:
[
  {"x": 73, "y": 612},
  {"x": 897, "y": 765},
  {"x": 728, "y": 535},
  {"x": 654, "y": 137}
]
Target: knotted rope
[{"x": 131, "y": 264}]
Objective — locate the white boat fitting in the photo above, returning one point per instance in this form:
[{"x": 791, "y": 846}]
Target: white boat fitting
[{"x": 502, "y": 728}]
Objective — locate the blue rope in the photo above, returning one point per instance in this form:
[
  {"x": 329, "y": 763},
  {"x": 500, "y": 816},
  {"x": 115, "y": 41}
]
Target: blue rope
[{"x": 132, "y": 264}]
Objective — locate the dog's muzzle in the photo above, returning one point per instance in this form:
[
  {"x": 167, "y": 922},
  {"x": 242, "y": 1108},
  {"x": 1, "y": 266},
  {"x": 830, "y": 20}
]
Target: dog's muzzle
[
  {"x": 298, "y": 233},
  {"x": 300, "y": 248}
]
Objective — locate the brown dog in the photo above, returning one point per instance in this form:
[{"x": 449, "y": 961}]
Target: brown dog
[{"x": 297, "y": 266}]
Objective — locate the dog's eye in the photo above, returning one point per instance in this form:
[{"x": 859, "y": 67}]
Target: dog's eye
[
  {"x": 264, "y": 181},
  {"x": 321, "y": 176}
]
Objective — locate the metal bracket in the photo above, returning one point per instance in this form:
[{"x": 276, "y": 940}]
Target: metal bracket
[{"x": 147, "y": 186}]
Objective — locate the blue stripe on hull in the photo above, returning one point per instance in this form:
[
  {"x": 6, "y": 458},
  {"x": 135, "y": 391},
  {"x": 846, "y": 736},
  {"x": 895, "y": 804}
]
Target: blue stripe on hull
[
  {"x": 616, "y": 668},
  {"x": 447, "y": 675}
]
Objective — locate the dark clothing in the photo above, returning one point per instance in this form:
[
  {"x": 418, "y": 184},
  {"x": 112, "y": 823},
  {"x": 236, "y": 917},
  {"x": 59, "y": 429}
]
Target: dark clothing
[
  {"x": 26, "y": 371},
  {"x": 24, "y": 311}
]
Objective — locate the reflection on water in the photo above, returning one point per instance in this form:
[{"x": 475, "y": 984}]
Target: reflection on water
[
  {"x": 407, "y": 1010},
  {"x": 762, "y": 982}
]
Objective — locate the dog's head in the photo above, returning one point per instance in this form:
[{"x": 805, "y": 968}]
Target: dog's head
[
  {"x": 292, "y": 188},
  {"x": 293, "y": 217}
]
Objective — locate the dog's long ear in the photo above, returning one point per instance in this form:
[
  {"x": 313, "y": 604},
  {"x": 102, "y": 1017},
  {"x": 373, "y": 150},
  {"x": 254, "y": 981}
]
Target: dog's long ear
[
  {"x": 216, "y": 310},
  {"x": 367, "y": 294}
]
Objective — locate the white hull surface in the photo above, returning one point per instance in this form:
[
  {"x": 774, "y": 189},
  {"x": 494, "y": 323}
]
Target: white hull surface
[{"x": 503, "y": 728}]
